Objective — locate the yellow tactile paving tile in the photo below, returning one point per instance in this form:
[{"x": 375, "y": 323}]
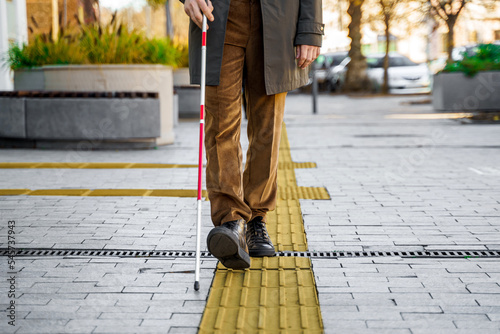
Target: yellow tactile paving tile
[
  {"x": 144, "y": 165},
  {"x": 283, "y": 192},
  {"x": 261, "y": 278},
  {"x": 286, "y": 227},
  {"x": 11, "y": 192},
  {"x": 265, "y": 299},
  {"x": 177, "y": 193},
  {"x": 284, "y": 143},
  {"x": 103, "y": 192},
  {"x": 60, "y": 192},
  {"x": 90, "y": 165},
  {"x": 292, "y": 165},
  {"x": 430, "y": 116},
  {"x": 286, "y": 178},
  {"x": 119, "y": 192},
  {"x": 269, "y": 297},
  {"x": 276, "y": 263},
  {"x": 263, "y": 320},
  {"x": 275, "y": 294},
  {"x": 119, "y": 165},
  {"x": 302, "y": 193}
]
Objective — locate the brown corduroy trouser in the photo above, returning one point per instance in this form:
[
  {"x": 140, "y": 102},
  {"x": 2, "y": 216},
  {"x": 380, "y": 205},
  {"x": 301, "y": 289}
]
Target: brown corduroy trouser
[{"x": 235, "y": 193}]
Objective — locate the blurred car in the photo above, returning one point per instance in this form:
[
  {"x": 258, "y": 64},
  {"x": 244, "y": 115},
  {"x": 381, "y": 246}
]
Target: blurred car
[
  {"x": 336, "y": 75},
  {"x": 459, "y": 52},
  {"x": 405, "y": 76},
  {"x": 326, "y": 61}
]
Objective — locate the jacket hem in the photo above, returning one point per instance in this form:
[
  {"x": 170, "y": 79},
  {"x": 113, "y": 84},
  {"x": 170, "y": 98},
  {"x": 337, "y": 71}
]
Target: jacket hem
[{"x": 285, "y": 87}]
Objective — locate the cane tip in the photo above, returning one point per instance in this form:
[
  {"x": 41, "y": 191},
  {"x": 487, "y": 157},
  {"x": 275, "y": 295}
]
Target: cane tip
[{"x": 197, "y": 285}]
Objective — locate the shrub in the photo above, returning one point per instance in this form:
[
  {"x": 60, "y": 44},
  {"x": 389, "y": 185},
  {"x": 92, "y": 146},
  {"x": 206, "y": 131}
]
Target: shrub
[
  {"x": 486, "y": 58},
  {"x": 112, "y": 43},
  {"x": 43, "y": 51}
]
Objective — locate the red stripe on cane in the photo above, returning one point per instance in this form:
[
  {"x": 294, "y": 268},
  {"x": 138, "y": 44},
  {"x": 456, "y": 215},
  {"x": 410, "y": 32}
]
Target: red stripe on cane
[
  {"x": 202, "y": 111},
  {"x": 204, "y": 39},
  {"x": 200, "y": 163}
]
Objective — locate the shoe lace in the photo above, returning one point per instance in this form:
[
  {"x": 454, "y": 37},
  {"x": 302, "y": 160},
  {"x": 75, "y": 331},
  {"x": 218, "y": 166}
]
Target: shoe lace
[{"x": 258, "y": 229}]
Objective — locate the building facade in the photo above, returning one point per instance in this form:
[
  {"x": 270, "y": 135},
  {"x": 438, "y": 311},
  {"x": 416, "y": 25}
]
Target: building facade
[{"x": 13, "y": 29}]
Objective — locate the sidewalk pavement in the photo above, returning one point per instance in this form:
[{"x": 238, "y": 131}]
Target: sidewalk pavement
[{"x": 397, "y": 183}]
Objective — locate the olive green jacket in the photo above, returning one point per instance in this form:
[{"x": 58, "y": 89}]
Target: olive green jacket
[{"x": 286, "y": 24}]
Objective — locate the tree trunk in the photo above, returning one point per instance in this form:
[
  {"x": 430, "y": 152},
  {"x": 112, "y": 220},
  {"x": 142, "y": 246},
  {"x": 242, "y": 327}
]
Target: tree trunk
[
  {"x": 385, "y": 85},
  {"x": 170, "y": 26},
  {"x": 65, "y": 13},
  {"x": 89, "y": 13},
  {"x": 451, "y": 36},
  {"x": 356, "y": 78},
  {"x": 55, "y": 20}
]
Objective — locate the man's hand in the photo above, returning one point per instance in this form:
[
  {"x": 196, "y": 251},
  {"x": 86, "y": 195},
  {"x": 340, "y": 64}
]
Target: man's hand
[
  {"x": 306, "y": 54},
  {"x": 196, "y": 8}
]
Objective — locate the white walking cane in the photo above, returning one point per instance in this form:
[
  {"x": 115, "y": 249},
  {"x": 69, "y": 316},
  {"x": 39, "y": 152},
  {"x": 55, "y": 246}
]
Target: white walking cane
[{"x": 200, "y": 161}]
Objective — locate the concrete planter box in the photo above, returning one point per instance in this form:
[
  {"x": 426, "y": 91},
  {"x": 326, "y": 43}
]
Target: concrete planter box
[
  {"x": 457, "y": 92},
  {"x": 189, "y": 95},
  {"x": 181, "y": 77},
  {"x": 92, "y": 119},
  {"x": 97, "y": 121},
  {"x": 13, "y": 117},
  {"x": 99, "y": 78}
]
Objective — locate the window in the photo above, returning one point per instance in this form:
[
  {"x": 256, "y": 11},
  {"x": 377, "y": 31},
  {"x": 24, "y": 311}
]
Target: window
[
  {"x": 497, "y": 35},
  {"x": 400, "y": 61},
  {"x": 375, "y": 62}
]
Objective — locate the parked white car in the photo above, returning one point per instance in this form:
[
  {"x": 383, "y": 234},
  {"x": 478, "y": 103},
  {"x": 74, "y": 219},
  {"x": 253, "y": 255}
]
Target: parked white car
[{"x": 405, "y": 76}]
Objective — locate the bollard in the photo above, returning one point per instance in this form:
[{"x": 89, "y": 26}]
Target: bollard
[{"x": 314, "y": 87}]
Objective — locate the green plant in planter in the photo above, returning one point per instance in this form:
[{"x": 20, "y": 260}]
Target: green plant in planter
[
  {"x": 112, "y": 43},
  {"x": 43, "y": 50},
  {"x": 161, "y": 50},
  {"x": 486, "y": 58}
]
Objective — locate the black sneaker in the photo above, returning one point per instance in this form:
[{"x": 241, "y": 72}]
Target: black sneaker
[
  {"x": 259, "y": 243},
  {"x": 227, "y": 243}
]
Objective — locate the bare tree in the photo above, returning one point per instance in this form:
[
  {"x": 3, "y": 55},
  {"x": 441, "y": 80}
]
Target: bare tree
[
  {"x": 89, "y": 9},
  {"x": 388, "y": 12},
  {"x": 356, "y": 77},
  {"x": 448, "y": 11},
  {"x": 393, "y": 11},
  {"x": 155, "y": 4},
  {"x": 170, "y": 26}
]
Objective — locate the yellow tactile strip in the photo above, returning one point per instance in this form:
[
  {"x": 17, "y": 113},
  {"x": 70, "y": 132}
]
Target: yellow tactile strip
[
  {"x": 103, "y": 192},
  {"x": 277, "y": 294},
  {"x": 302, "y": 193},
  {"x": 120, "y": 165},
  {"x": 283, "y": 192},
  {"x": 275, "y": 263},
  {"x": 94, "y": 165},
  {"x": 286, "y": 227}
]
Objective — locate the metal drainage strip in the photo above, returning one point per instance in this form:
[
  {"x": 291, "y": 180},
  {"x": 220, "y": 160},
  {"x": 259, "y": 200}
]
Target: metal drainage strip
[{"x": 191, "y": 254}]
